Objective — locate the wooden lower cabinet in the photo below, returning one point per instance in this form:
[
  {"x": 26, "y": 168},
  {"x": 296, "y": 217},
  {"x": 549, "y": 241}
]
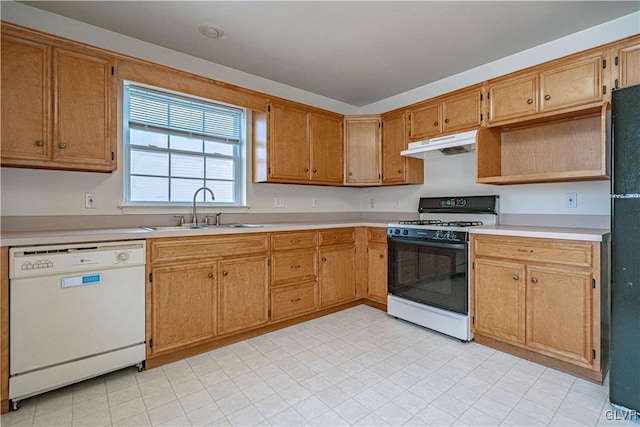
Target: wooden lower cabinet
[
  {"x": 183, "y": 306},
  {"x": 337, "y": 275},
  {"x": 542, "y": 296},
  {"x": 243, "y": 291},
  {"x": 293, "y": 300}
]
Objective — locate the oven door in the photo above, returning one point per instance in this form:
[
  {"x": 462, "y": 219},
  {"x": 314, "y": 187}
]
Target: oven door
[{"x": 430, "y": 273}]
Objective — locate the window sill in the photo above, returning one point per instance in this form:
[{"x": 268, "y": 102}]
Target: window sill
[{"x": 179, "y": 208}]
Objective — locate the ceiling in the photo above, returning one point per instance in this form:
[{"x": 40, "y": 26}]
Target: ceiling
[{"x": 355, "y": 52}]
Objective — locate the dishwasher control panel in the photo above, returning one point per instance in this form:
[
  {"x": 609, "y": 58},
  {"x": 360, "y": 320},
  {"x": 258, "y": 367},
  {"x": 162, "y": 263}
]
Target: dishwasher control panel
[{"x": 46, "y": 260}]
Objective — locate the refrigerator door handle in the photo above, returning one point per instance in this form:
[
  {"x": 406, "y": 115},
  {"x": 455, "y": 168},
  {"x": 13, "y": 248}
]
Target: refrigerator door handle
[{"x": 625, "y": 196}]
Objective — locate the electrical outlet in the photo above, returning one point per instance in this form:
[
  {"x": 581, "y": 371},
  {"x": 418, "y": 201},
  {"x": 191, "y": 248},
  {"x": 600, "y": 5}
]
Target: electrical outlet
[
  {"x": 279, "y": 202},
  {"x": 398, "y": 204},
  {"x": 89, "y": 201},
  {"x": 314, "y": 202},
  {"x": 372, "y": 203},
  {"x": 571, "y": 200}
]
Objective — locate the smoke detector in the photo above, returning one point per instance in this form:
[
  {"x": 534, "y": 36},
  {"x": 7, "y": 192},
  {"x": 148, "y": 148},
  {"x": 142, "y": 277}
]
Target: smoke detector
[{"x": 211, "y": 30}]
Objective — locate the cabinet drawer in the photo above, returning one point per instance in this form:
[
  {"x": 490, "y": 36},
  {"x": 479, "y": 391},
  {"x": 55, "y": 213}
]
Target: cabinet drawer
[
  {"x": 297, "y": 266},
  {"x": 540, "y": 250},
  {"x": 377, "y": 235},
  {"x": 289, "y": 241},
  {"x": 206, "y": 247},
  {"x": 294, "y": 300},
  {"x": 337, "y": 236}
]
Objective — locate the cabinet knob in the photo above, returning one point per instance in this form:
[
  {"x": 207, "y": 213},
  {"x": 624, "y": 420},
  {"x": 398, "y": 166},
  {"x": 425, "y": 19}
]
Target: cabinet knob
[
  {"x": 529, "y": 101},
  {"x": 39, "y": 143},
  {"x": 314, "y": 170},
  {"x": 62, "y": 145},
  {"x": 399, "y": 170},
  {"x": 306, "y": 169},
  {"x": 382, "y": 256},
  {"x": 225, "y": 273},
  {"x": 446, "y": 120},
  {"x": 435, "y": 123},
  {"x": 516, "y": 277},
  {"x": 210, "y": 275},
  {"x": 350, "y": 173},
  {"x": 324, "y": 259},
  {"x": 547, "y": 97},
  {"x": 534, "y": 280}
]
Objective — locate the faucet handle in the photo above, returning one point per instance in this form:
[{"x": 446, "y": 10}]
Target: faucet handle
[
  {"x": 218, "y": 216},
  {"x": 180, "y": 219}
]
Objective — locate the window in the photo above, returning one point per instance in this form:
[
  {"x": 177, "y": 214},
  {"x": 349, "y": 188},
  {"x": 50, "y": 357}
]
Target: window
[{"x": 175, "y": 145}]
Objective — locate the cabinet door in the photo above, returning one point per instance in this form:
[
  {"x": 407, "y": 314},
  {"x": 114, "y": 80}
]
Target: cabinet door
[
  {"x": 243, "y": 294},
  {"x": 513, "y": 98},
  {"x": 461, "y": 112},
  {"x": 337, "y": 275},
  {"x": 499, "y": 300},
  {"x": 82, "y": 102},
  {"x": 559, "y": 313},
  {"x": 288, "y": 144},
  {"x": 393, "y": 142},
  {"x": 327, "y": 149},
  {"x": 25, "y": 100},
  {"x": 571, "y": 85},
  {"x": 377, "y": 272},
  {"x": 425, "y": 122},
  {"x": 629, "y": 66},
  {"x": 362, "y": 147},
  {"x": 183, "y": 309}
]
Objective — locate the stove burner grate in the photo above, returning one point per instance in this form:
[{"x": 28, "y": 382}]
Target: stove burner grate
[{"x": 441, "y": 223}]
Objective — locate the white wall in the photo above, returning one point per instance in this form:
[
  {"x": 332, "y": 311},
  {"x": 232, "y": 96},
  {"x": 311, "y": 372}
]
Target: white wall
[{"x": 40, "y": 192}]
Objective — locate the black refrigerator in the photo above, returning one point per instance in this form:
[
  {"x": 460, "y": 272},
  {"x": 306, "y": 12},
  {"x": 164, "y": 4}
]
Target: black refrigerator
[{"x": 624, "y": 374}]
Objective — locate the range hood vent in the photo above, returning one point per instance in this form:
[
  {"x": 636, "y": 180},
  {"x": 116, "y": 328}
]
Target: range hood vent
[{"x": 446, "y": 145}]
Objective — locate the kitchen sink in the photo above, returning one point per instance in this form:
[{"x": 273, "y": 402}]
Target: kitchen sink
[{"x": 198, "y": 227}]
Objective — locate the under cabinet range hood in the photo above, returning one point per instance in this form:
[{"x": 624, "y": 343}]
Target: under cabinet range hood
[{"x": 448, "y": 145}]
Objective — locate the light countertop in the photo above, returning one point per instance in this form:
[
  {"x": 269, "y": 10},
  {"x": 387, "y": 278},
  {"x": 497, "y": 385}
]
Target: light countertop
[
  {"x": 567, "y": 233},
  {"x": 102, "y": 235}
]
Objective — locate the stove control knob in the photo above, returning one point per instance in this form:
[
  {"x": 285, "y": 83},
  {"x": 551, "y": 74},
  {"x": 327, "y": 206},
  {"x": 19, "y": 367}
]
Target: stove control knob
[
  {"x": 396, "y": 231},
  {"x": 405, "y": 232},
  {"x": 438, "y": 235},
  {"x": 451, "y": 235}
]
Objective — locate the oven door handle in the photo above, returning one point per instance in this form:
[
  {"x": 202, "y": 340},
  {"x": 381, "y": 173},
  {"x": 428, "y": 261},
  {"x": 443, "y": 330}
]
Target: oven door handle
[{"x": 430, "y": 244}]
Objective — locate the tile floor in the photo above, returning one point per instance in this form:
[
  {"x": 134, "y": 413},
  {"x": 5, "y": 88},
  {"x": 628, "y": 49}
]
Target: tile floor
[{"x": 355, "y": 367}]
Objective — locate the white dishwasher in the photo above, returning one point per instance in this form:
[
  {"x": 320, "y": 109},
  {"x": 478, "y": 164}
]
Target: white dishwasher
[{"x": 75, "y": 311}]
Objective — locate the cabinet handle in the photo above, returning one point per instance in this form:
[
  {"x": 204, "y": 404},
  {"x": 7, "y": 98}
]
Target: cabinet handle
[
  {"x": 350, "y": 173},
  {"x": 382, "y": 256},
  {"x": 295, "y": 267},
  {"x": 39, "y": 143},
  {"x": 435, "y": 123},
  {"x": 547, "y": 97},
  {"x": 446, "y": 120},
  {"x": 306, "y": 169},
  {"x": 529, "y": 101},
  {"x": 534, "y": 280},
  {"x": 399, "y": 170},
  {"x": 516, "y": 277},
  {"x": 210, "y": 275},
  {"x": 324, "y": 259},
  {"x": 314, "y": 170},
  {"x": 295, "y": 242},
  {"x": 225, "y": 273},
  {"x": 295, "y": 299},
  {"x": 529, "y": 251},
  {"x": 62, "y": 145}
]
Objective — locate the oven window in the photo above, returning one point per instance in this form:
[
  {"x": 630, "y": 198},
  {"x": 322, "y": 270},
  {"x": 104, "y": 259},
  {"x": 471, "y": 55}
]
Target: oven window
[{"x": 431, "y": 275}]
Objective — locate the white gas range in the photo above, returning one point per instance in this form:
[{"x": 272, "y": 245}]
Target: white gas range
[{"x": 428, "y": 278}]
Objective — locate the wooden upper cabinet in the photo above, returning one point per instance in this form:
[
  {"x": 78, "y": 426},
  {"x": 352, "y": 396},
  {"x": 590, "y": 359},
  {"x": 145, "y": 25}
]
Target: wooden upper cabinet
[
  {"x": 425, "y": 122},
  {"x": 513, "y": 98},
  {"x": 564, "y": 85},
  {"x": 628, "y": 59},
  {"x": 397, "y": 169},
  {"x": 570, "y": 85},
  {"x": 327, "y": 149},
  {"x": 456, "y": 112},
  {"x": 58, "y": 105},
  {"x": 25, "y": 100},
  {"x": 362, "y": 150},
  {"x": 288, "y": 143}
]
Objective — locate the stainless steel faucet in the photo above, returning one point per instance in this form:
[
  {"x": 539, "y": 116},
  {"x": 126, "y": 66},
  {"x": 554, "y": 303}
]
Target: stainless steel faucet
[{"x": 195, "y": 218}]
